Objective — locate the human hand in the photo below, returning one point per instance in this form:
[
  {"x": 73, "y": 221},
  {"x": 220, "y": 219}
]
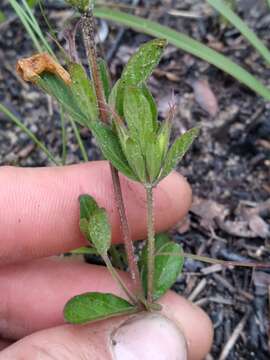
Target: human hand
[{"x": 39, "y": 216}]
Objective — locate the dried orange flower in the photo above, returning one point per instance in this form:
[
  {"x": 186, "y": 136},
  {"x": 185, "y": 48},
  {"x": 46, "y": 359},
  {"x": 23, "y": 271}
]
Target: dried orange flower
[{"x": 29, "y": 69}]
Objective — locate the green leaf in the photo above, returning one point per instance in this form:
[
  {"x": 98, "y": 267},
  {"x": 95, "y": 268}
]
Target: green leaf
[
  {"x": 135, "y": 159},
  {"x": 154, "y": 157},
  {"x": 84, "y": 229},
  {"x": 62, "y": 92},
  {"x": 111, "y": 148},
  {"x": 83, "y": 92},
  {"x": 178, "y": 150},
  {"x": 87, "y": 206},
  {"x": 95, "y": 306},
  {"x": 167, "y": 268},
  {"x": 160, "y": 240},
  {"x": 187, "y": 44},
  {"x": 123, "y": 134},
  {"x": 138, "y": 116},
  {"x": 105, "y": 77},
  {"x": 84, "y": 251},
  {"x": 143, "y": 62},
  {"x": 152, "y": 103},
  {"x": 113, "y": 96},
  {"x": 99, "y": 229},
  {"x": 139, "y": 68},
  {"x": 235, "y": 20},
  {"x": 164, "y": 136}
]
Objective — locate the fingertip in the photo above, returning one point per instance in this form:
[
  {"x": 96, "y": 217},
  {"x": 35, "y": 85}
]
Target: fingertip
[
  {"x": 46, "y": 200},
  {"x": 194, "y": 322},
  {"x": 179, "y": 194}
]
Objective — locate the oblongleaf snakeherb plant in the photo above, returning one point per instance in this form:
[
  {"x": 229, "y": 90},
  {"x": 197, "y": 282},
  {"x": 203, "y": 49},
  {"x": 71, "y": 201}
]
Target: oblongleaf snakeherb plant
[{"x": 124, "y": 121}]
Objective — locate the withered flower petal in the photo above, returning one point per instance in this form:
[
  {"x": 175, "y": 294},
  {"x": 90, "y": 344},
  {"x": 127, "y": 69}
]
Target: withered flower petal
[{"x": 30, "y": 68}]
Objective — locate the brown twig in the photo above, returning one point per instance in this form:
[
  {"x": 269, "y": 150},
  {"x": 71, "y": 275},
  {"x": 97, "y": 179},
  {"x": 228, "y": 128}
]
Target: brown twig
[{"x": 235, "y": 335}]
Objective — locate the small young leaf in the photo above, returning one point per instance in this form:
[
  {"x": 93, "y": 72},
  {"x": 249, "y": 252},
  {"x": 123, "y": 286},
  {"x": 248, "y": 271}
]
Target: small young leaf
[
  {"x": 99, "y": 229},
  {"x": 167, "y": 268},
  {"x": 87, "y": 206},
  {"x": 105, "y": 77},
  {"x": 95, "y": 306},
  {"x": 178, "y": 150},
  {"x": 111, "y": 148},
  {"x": 143, "y": 62},
  {"x": 83, "y": 92}
]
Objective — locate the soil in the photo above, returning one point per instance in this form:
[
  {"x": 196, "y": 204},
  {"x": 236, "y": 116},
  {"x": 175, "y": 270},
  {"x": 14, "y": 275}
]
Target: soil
[{"x": 228, "y": 167}]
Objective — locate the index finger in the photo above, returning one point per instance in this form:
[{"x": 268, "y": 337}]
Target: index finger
[{"x": 39, "y": 209}]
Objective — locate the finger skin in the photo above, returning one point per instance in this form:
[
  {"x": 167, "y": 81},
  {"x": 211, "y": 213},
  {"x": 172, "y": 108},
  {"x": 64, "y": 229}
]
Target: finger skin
[
  {"x": 4, "y": 344},
  {"x": 35, "y": 294},
  {"x": 39, "y": 209}
]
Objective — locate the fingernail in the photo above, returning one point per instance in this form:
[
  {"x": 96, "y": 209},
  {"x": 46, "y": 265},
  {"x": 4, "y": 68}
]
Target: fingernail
[{"x": 148, "y": 337}]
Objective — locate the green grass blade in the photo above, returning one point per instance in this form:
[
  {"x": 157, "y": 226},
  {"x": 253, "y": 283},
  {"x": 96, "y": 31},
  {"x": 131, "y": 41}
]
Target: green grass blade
[
  {"x": 79, "y": 140},
  {"x": 236, "y": 21},
  {"x": 63, "y": 135},
  {"x": 25, "y": 14},
  {"x": 2, "y": 17},
  {"x": 31, "y": 135},
  {"x": 187, "y": 44},
  {"x": 25, "y": 21},
  {"x": 36, "y": 28}
]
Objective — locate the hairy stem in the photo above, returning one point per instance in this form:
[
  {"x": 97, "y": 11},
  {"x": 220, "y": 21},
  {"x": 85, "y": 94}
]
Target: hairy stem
[
  {"x": 89, "y": 40},
  {"x": 150, "y": 243},
  {"x": 133, "y": 267},
  {"x": 88, "y": 26}
]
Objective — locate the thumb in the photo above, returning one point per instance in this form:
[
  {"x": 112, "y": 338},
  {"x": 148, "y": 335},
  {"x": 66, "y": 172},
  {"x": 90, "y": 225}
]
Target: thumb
[
  {"x": 143, "y": 336},
  {"x": 188, "y": 335}
]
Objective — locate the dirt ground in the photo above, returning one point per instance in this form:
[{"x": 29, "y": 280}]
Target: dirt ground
[{"x": 228, "y": 166}]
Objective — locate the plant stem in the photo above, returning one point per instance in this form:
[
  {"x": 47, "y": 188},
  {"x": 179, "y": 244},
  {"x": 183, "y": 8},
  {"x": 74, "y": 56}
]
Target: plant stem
[
  {"x": 150, "y": 243},
  {"x": 89, "y": 40},
  {"x": 118, "y": 279},
  {"x": 132, "y": 263},
  {"x": 88, "y": 27}
]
